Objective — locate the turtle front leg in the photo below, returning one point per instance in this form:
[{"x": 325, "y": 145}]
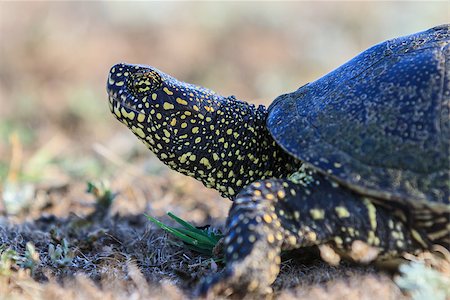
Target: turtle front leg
[
  {"x": 273, "y": 215},
  {"x": 252, "y": 246}
]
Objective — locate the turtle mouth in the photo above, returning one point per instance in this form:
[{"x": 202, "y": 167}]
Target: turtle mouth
[
  {"x": 120, "y": 97},
  {"x": 117, "y": 104}
]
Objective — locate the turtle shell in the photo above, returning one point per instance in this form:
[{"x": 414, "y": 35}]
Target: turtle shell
[{"x": 378, "y": 124}]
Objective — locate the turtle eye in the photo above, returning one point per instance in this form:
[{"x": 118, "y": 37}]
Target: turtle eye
[{"x": 145, "y": 82}]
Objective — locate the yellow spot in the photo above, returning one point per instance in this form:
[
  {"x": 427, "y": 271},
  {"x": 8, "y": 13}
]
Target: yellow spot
[
  {"x": 168, "y": 92},
  {"x": 267, "y": 218},
  {"x": 251, "y": 238},
  {"x": 391, "y": 224},
  {"x": 184, "y": 125},
  {"x": 418, "y": 238},
  {"x": 139, "y": 132},
  {"x": 204, "y": 161},
  {"x": 312, "y": 236},
  {"x": 117, "y": 112},
  {"x": 351, "y": 231},
  {"x": 253, "y": 285},
  {"x": 230, "y": 191},
  {"x": 438, "y": 234},
  {"x": 270, "y": 196},
  {"x": 195, "y": 107},
  {"x": 215, "y": 156},
  {"x": 195, "y": 130},
  {"x": 372, "y": 212},
  {"x": 317, "y": 214},
  {"x": 181, "y": 101},
  {"x": 270, "y": 238},
  {"x": 129, "y": 115},
  {"x": 281, "y": 194},
  {"x": 154, "y": 96},
  {"x": 292, "y": 240},
  {"x": 229, "y": 131},
  {"x": 192, "y": 157},
  {"x": 183, "y": 157},
  {"x": 342, "y": 212},
  {"x": 198, "y": 140},
  {"x": 168, "y": 105},
  {"x": 274, "y": 270},
  {"x": 159, "y": 116},
  {"x": 141, "y": 118},
  {"x": 166, "y": 133},
  {"x": 173, "y": 122},
  {"x": 278, "y": 236},
  {"x": 372, "y": 239}
]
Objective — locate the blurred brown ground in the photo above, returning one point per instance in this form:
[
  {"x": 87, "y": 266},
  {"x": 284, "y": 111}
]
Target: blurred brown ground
[{"x": 56, "y": 132}]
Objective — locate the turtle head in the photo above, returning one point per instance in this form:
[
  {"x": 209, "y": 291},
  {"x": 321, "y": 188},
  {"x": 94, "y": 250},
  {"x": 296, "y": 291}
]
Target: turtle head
[
  {"x": 166, "y": 114},
  {"x": 218, "y": 140}
]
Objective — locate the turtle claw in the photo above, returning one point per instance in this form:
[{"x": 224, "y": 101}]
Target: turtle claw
[
  {"x": 215, "y": 285},
  {"x": 229, "y": 284}
]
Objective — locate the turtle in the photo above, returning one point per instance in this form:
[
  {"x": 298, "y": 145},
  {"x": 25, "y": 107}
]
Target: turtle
[{"x": 357, "y": 159}]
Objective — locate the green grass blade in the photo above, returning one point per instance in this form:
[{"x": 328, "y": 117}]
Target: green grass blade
[
  {"x": 173, "y": 231},
  {"x": 211, "y": 236},
  {"x": 199, "y": 240},
  {"x": 184, "y": 223},
  {"x": 201, "y": 237}
]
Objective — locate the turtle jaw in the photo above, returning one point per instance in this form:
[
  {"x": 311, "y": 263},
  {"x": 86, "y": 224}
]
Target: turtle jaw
[
  {"x": 118, "y": 88},
  {"x": 133, "y": 109}
]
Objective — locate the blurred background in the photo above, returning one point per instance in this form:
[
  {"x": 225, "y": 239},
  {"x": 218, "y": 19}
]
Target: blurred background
[
  {"x": 56, "y": 131},
  {"x": 57, "y": 134}
]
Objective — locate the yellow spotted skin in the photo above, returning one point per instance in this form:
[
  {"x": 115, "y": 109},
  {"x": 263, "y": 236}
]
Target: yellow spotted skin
[
  {"x": 221, "y": 141},
  {"x": 285, "y": 214},
  {"x": 279, "y": 203}
]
